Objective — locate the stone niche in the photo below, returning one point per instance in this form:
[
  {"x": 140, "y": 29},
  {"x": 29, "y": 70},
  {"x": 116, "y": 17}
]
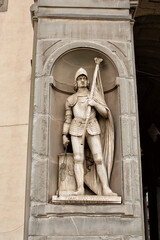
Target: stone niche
[
  {"x": 53, "y": 84},
  {"x": 69, "y": 35},
  {"x": 63, "y": 73}
]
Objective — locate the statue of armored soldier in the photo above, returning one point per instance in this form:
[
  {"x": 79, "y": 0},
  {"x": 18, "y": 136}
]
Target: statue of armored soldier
[{"x": 88, "y": 117}]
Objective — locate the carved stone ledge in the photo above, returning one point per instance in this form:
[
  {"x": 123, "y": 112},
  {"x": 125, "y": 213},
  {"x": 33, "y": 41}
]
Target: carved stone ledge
[
  {"x": 3, "y": 5},
  {"x": 133, "y": 6},
  {"x": 52, "y": 209},
  {"x": 134, "y": 3},
  {"x": 86, "y": 199}
]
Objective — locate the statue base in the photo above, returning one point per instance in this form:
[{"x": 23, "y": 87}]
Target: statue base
[{"x": 85, "y": 199}]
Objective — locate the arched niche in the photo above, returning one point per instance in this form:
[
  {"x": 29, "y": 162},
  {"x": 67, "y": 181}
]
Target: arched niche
[
  {"x": 63, "y": 72},
  {"x": 67, "y": 46}
]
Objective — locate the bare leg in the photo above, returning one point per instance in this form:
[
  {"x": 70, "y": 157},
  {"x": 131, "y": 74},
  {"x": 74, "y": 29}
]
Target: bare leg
[
  {"x": 79, "y": 174},
  {"x": 78, "y": 152},
  {"x": 103, "y": 177},
  {"x": 94, "y": 143}
]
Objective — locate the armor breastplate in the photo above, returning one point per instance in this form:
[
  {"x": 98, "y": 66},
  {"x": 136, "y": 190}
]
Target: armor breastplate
[{"x": 80, "y": 108}]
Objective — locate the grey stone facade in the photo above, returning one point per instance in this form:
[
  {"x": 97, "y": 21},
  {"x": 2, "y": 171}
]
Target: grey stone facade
[{"x": 75, "y": 28}]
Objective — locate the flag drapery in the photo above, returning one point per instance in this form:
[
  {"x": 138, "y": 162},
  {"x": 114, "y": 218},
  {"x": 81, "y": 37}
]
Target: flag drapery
[{"x": 107, "y": 139}]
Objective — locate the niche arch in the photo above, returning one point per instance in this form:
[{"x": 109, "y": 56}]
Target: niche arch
[
  {"x": 68, "y": 46},
  {"x": 62, "y": 73}
]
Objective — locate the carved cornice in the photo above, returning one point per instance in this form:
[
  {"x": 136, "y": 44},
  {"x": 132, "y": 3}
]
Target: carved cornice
[
  {"x": 33, "y": 11},
  {"x": 134, "y": 3},
  {"x": 133, "y": 6},
  {"x": 77, "y": 9}
]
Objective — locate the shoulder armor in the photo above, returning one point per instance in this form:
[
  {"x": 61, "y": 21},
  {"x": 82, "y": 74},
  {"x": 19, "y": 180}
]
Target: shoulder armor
[{"x": 72, "y": 100}]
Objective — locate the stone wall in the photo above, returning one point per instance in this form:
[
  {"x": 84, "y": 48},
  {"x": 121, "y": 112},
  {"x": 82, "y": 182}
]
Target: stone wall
[{"x": 63, "y": 27}]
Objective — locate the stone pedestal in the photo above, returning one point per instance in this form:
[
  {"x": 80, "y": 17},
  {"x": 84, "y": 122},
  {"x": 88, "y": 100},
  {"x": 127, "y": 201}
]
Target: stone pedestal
[
  {"x": 85, "y": 199},
  {"x": 68, "y": 35}
]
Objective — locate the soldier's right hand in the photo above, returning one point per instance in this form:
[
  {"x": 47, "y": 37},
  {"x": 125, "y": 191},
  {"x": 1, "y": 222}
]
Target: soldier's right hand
[{"x": 65, "y": 140}]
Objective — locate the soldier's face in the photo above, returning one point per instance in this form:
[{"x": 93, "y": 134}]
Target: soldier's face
[{"x": 82, "y": 81}]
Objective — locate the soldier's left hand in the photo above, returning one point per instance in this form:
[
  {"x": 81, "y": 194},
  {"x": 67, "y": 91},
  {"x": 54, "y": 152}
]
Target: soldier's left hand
[{"x": 91, "y": 103}]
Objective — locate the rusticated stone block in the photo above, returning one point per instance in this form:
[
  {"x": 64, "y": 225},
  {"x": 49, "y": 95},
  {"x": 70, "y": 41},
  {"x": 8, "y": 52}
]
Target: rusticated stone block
[
  {"x": 55, "y": 138},
  {"x": 39, "y": 179},
  {"x": 133, "y": 238},
  {"x": 41, "y": 95},
  {"x": 137, "y": 209},
  {"x": 126, "y": 136},
  {"x": 124, "y": 96},
  {"x": 134, "y": 137},
  {"x": 82, "y": 3},
  {"x": 85, "y": 226},
  {"x": 132, "y": 97},
  {"x": 136, "y": 180},
  {"x": 129, "y": 135},
  {"x": 127, "y": 95},
  {"x": 127, "y": 166},
  {"x": 124, "y": 51},
  {"x": 38, "y": 238},
  {"x": 40, "y": 134},
  {"x": 44, "y": 49},
  {"x": 79, "y": 30}
]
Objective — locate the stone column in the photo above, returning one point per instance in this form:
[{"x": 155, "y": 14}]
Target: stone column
[{"x": 69, "y": 33}]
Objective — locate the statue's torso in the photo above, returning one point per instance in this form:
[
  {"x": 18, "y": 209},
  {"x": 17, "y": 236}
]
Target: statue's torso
[{"x": 80, "y": 108}]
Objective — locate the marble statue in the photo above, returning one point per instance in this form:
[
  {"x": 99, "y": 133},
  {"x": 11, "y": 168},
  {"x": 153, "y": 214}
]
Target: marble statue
[{"x": 89, "y": 122}]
